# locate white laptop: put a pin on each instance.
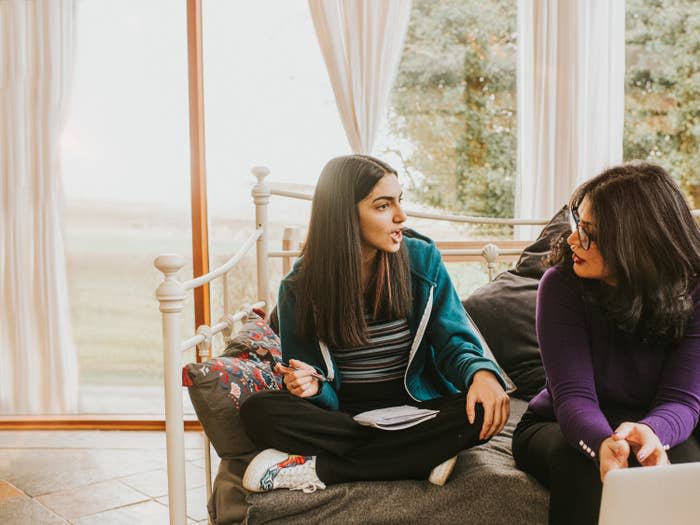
(652, 496)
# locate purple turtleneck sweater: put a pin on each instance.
(590, 365)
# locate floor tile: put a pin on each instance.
(7, 491)
(155, 483)
(215, 461)
(196, 503)
(146, 513)
(24, 511)
(192, 454)
(38, 472)
(91, 477)
(90, 499)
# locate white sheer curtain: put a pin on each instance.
(361, 42)
(571, 71)
(38, 362)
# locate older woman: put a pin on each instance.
(618, 323)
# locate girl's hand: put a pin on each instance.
(612, 455)
(487, 390)
(298, 378)
(644, 443)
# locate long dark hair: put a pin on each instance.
(650, 243)
(330, 299)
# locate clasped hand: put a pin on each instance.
(298, 377)
(631, 437)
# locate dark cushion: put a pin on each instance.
(274, 321)
(531, 264)
(504, 311)
(217, 387)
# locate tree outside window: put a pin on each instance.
(454, 101)
(662, 88)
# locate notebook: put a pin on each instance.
(395, 418)
(652, 496)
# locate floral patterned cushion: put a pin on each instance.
(255, 337)
(219, 386)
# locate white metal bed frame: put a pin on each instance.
(171, 295)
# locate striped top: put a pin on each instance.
(372, 375)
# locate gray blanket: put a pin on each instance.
(485, 488)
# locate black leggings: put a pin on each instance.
(348, 451)
(572, 478)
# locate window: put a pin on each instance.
(125, 152)
(126, 166)
(453, 106)
(662, 88)
(268, 101)
(451, 127)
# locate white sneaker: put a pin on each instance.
(440, 474)
(272, 469)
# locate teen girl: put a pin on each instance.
(369, 318)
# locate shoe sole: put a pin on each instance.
(440, 474)
(257, 468)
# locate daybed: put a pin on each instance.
(486, 487)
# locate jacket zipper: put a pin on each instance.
(418, 339)
(327, 360)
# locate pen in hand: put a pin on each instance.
(314, 374)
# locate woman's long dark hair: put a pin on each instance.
(650, 243)
(330, 300)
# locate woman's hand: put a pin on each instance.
(612, 455)
(298, 378)
(644, 443)
(487, 390)
(631, 437)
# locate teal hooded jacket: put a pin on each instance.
(446, 350)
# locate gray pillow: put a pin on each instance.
(531, 264)
(504, 311)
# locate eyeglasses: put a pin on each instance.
(584, 238)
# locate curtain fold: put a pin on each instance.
(571, 72)
(38, 360)
(361, 42)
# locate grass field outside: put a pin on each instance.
(110, 249)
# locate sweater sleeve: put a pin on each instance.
(676, 406)
(458, 351)
(293, 347)
(564, 343)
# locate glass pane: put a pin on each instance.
(126, 170)
(268, 102)
(662, 88)
(452, 122)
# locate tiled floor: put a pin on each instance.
(94, 477)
